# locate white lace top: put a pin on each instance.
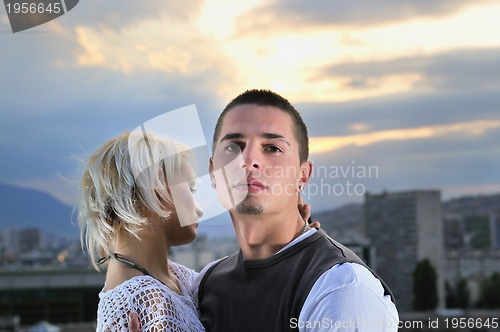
(158, 307)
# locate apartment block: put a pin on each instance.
(405, 228)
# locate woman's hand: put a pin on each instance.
(305, 212)
(133, 323)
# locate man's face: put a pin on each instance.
(264, 172)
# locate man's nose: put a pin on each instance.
(251, 158)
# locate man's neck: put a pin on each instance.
(262, 236)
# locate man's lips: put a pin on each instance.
(251, 184)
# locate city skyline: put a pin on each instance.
(51, 213)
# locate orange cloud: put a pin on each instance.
(325, 144)
(92, 54)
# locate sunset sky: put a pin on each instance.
(411, 88)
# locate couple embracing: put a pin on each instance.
(287, 275)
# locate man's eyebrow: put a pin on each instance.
(231, 136)
(274, 136)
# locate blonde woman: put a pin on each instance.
(129, 221)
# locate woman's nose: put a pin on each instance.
(198, 209)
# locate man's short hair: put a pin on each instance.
(269, 98)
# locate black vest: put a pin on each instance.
(264, 295)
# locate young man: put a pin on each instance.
(286, 276)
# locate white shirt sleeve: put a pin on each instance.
(347, 297)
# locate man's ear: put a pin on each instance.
(211, 170)
(305, 172)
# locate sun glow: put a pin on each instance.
(292, 62)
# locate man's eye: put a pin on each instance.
(232, 148)
(273, 149)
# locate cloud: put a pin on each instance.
(455, 163)
(442, 133)
(160, 42)
(456, 88)
(95, 73)
(449, 158)
(149, 47)
(456, 69)
(170, 59)
(154, 48)
(302, 14)
(117, 15)
(411, 111)
(38, 148)
(296, 58)
(324, 144)
(401, 111)
(91, 55)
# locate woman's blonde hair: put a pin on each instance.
(125, 175)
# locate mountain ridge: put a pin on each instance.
(52, 216)
(22, 208)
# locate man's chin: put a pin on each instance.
(249, 209)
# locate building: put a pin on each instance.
(472, 249)
(405, 228)
(495, 230)
(9, 246)
(29, 240)
(454, 231)
(473, 265)
(55, 295)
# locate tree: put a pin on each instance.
(425, 295)
(451, 296)
(458, 296)
(490, 288)
(463, 294)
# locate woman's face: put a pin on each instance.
(184, 218)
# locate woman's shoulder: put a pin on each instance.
(138, 292)
(183, 273)
(129, 287)
(117, 302)
(153, 302)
